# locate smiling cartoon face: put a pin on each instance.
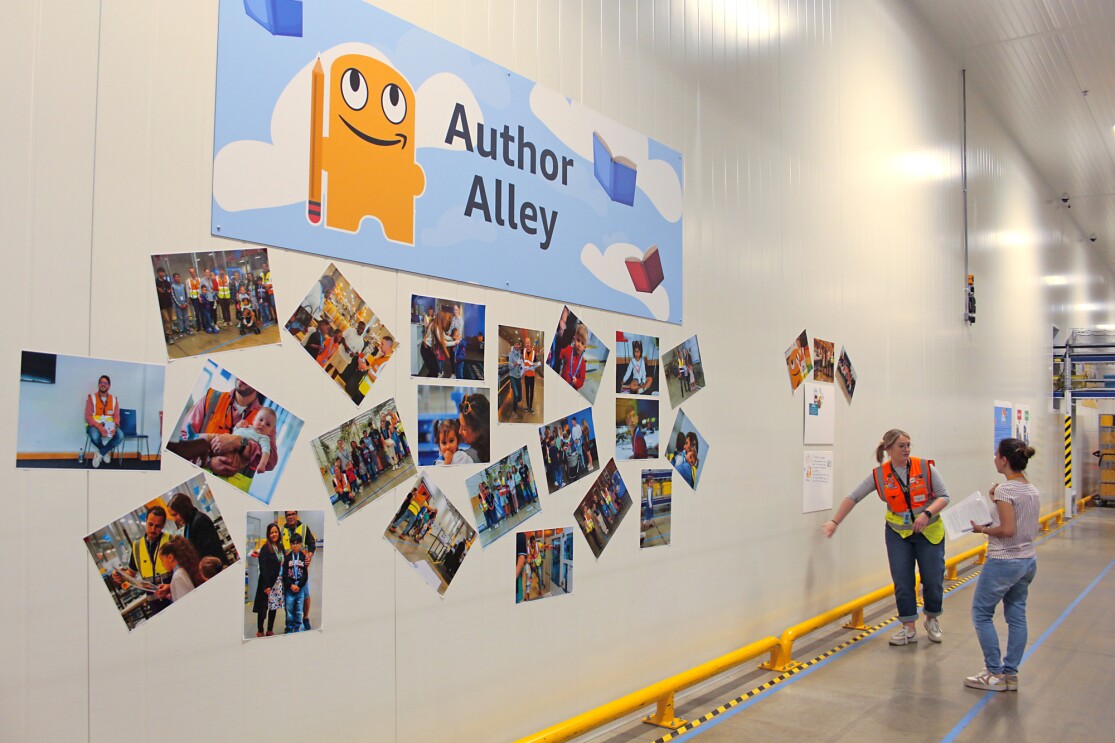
(369, 152)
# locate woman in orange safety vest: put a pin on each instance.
(915, 495)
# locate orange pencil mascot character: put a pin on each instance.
(368, 151)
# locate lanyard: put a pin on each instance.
(580, 362)
(904, 486)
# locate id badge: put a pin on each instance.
(906, 518)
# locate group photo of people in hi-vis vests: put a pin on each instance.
(77, 412)
(215, 301)
(236, 432)
(152, 557)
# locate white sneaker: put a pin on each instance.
(904, 636)
(97, 459)
(987, 680)
(933, 629)
(108, 457)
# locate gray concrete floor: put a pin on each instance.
(874, 692)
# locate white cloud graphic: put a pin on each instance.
(454, 228)
(574, 124)
(610, 269)
(250, 174)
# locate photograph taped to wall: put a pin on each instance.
(636, 364)
(577, 355)
(798, 361)
(446, 339)
(363, 458)
(153, 556)
(685, 373)
(233, 431)
(342, 334)
(454, 425)
(569, 449)
(820, 414)
(431, 534)
(846, 374)
(824, 357)
(601, 511)
(521, 385)
(503, 496)
(687, 450)
(217, 300)
(657, 495)
(571, 205)
(80, 412)
(283, 572)
(636, 429)
(543, 564)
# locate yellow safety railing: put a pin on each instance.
(780, 649)
(1083, 503)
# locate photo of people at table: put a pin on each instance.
(636, 364)
(520, 390)
(446, 338)
(687, 450)
(430, 533)
(636, 429)
(284, 569)
(657, 495)
(152, 557)
(454, 425)
(234, 431)
(217, 300)
(578, 356)
(823, 357)
(543, 564)
(569, 449)
(77, 412)
(363, 458)
(601, 511)
(342, 334)
(503, 496)
(685, 374)
(846, 373)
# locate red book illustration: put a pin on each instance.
(646, 272)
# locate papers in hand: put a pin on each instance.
(977, 507)
(136, 582)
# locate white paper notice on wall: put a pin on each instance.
(820, 413)
(816, 481)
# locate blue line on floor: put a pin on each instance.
(878, 633)
(967, 719)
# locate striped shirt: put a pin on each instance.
(1023, 498)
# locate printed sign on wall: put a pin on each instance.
(356, 135)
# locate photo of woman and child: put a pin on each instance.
(520, 375)
(342, 334)
(454, 425)
(685, 374)
(601, 511)
(431, 534)
(569, 449)
(152, 557)
(284, 571)
(447, 338)
(636, 364)
(636, 429)
(543, 564)
(578, 356)
(363, 458)
(503, 496)
(686, 450)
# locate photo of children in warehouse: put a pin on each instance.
(284, 571)
(569, 449)
(543, 564)
(430, 533)
(503, 496)
(577, 355)
(636, 364)
(636, 429)
(446, 338)
(685, 374)
(601, 511)
(657, 495)
(686, 449)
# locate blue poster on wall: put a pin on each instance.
(353, 134)
(1004, 414)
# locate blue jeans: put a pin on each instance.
(104, 445)
(930, 559)
(294, 602)
(517, 390)
(1007, 581)
(182, 315)
(408, 518)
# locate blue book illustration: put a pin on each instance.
(615, 173)
(280, 17)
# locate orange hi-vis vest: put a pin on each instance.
(193, 288)
(920, 487)
(528, 360)
(218, 416)
(103, 410)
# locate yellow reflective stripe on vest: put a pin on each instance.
(934, 532)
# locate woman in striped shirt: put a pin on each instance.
(1010, 567)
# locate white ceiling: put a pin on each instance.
(1047, 69)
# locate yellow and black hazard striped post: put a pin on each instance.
(1068, 452)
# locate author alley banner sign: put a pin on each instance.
(346, 132)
